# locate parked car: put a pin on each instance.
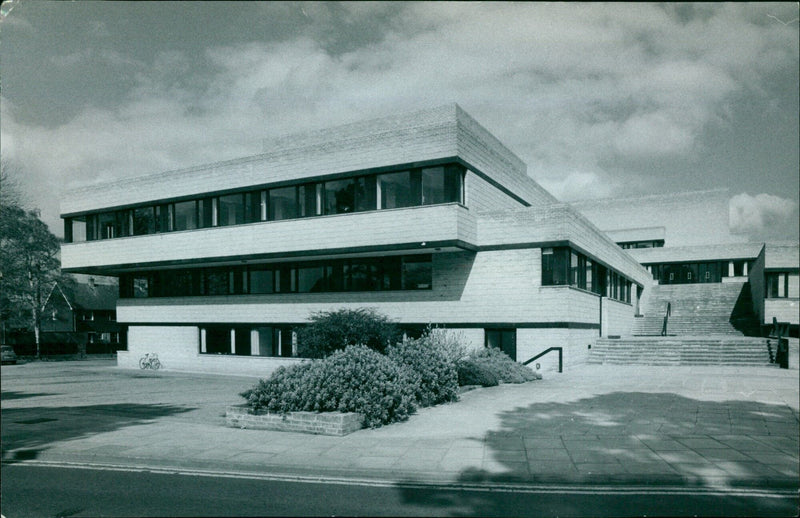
(7, 354)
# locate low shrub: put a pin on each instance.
(506, 369)
(474, 372)
(329, 331)
(356, 379)
(428, 357)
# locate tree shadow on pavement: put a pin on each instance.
(9, 395)
(26, 432)
(636, 438)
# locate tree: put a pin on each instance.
(29, 262)
(329, 331)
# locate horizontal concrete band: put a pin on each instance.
(445, 325)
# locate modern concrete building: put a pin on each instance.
(425, 217)
(685, 239)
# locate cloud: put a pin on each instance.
(762, 215)
(569, 88)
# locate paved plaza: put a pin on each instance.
(702, 427)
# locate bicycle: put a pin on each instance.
(150, 361)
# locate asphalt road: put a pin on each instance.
(29, 490)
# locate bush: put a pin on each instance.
(428, 356)
(330, 331)
(474, 372)
(506, 369)
(356, 379)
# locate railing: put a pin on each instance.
(779, 332)
(560, 357)
(666, 319)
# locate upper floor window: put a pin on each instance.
(414, 187)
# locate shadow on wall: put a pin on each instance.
(630, 438)
(28, 431)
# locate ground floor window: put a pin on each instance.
(276, 341)
(782, 285)
(504, 339)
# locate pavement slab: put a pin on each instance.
(710, 426)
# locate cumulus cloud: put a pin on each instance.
(567, 87)
(762, 215)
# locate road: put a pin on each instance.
(32, 490)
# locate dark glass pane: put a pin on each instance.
(283, 203)
(366, 193)
(285, 336)
(285, 281)
(396, 190)
(336, 280)
(186, 215)
(391, 268)
(141, 286)
(122, 222)
(242, 341)
(237, 281)
(453, 184)
(588, 277)
(267, 341)
(307, 194)
(230, 210)
(311, 279)
(91, 227)
(164, 218)
(216, 282)
(340, 196)
(106, 225)
(262, 281)
(218, 340)
(417, 272)
(364, 276)
(560, 266)
(205, 212)
(433, 185)
(574, 269)
(252, 202)
(144, 221)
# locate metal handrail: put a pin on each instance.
(560, 357)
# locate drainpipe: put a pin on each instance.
(600, 330)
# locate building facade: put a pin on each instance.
(425, 217)
(684, 238)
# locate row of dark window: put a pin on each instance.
(412, 272)
(781, 285)
(697, 272)
(656, 243)
(281, 340)
(562, 266)
(409, 188)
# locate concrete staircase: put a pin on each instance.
(707, 326)
(709, 350)
(698, 309)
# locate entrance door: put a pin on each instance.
(504, 339)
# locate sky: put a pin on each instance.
(599, 100)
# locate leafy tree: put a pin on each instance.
(29, 263)
(329, 331)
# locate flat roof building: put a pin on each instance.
(424, 216)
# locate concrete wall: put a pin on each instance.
(482, 195)
(178, 348)
(368, 229)
(757, 288)
(785, 310)
(690, 218)
(436, 134)
(502, 286)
